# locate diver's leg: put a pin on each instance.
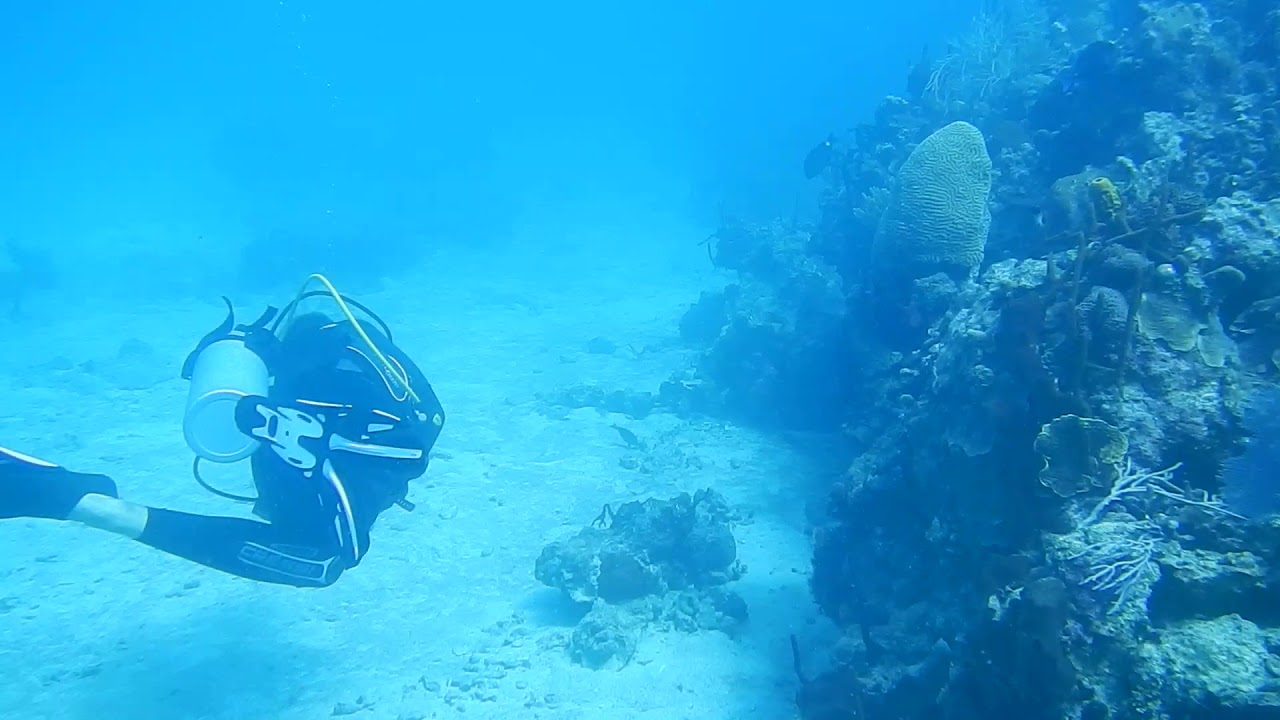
(111, 514)
(33, 488)
(247, 548)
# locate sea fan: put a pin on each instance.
(1249, 484)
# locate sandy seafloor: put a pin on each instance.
(444, 617)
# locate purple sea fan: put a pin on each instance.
(1249, 480)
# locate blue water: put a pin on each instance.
(503, 183)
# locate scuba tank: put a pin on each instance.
(227, 364)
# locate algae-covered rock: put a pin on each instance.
(1221, 663)
(607, 634)
(1245, 234)
(656, 563)
(645, 548)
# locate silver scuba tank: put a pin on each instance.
(221, 372)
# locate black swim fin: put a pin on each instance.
(30, 487)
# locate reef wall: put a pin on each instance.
(1042, 302)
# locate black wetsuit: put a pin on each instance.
(318, 518)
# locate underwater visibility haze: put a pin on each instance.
(835, 361)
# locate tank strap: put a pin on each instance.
(257, 337)
(261, 340)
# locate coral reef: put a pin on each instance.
(1060, 407)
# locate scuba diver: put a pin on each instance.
(333, 417)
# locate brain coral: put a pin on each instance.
(937, 217)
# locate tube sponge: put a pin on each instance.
(937, 217)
